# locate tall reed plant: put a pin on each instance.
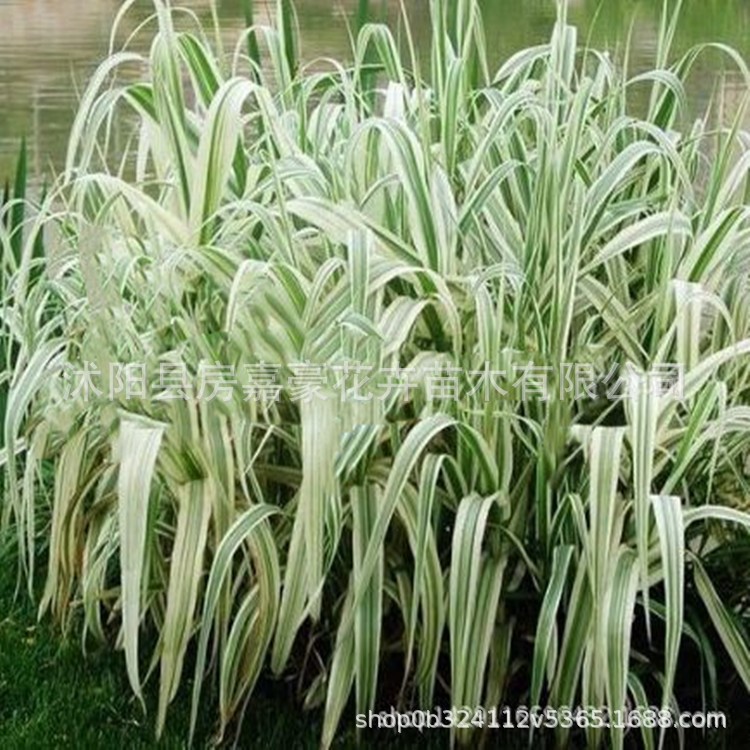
(516, 543)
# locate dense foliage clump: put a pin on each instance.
(400, 361)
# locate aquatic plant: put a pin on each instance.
(504, 239)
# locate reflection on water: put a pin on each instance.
(49, 47)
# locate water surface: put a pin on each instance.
(48, 48)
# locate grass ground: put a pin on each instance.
(54, 696)
(51, 696)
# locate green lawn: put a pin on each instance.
(54, 696)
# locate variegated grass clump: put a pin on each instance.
(396, 211)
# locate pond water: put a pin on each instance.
(49, 47)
